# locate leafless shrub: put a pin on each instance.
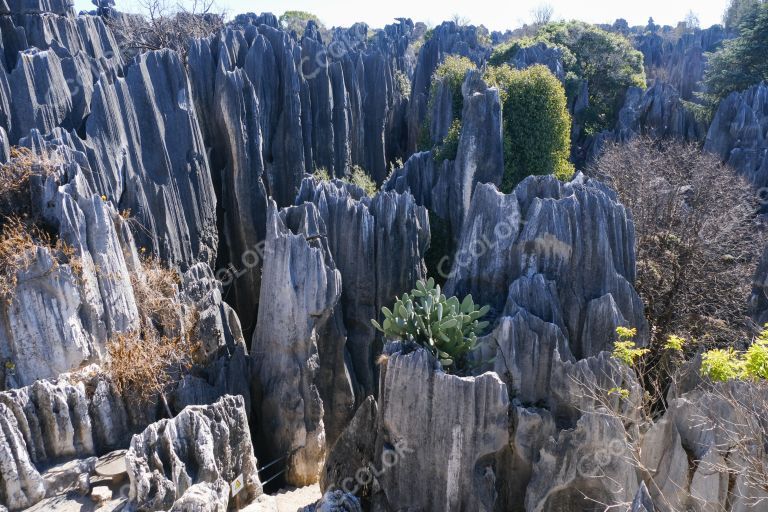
(542, 14)
(698, 238)
(741, 434)
(165, 25)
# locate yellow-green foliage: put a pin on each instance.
(360, 178)
(452, 72)
(625, 349)
(727, 364)
(322, 174)
(675, 343)
(623, 393)
(537, 126)
(721, 365)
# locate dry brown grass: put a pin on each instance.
(15, 180)
(144, 364)
(19, 242)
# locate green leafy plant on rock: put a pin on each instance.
(446, 327)
(625, 349)
(721, 365)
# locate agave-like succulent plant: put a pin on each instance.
(446, 327)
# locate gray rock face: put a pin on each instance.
(738, 133)
(658, 112)
(21, 485)
(542, 54)
(447, 38)
(429, 424)
(201, 451)
(335, 501)
(273, 108)
(576, 236)
(683, 61)
(354, 449)
(378, 247)
(591, 462)
(300, 290)
(447, 189)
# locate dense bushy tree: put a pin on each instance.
(537, 126)
(296, 21)
(607, 62)
(741, 62)
(737, 11)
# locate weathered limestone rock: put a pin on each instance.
(21, 485)
(585, 467)
(576, 235)
(199, 451)
(642, 501)
(447, 38)
(447, 188)
(543, 54)
(378, 247)
(300, 290)
(354, 450)
(204, 497)
(335, 501)
(738, 133)
(443, 428)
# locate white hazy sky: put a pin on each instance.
(493, 14)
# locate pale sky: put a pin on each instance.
(494, 14)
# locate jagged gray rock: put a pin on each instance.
(205, 445)
(575, 235)
(738, 133)
(335, 501)
(447, 38)
(300, 290)
(591, 465)
(543, 54)
(21, 485)
(429, 425)
(354, 450)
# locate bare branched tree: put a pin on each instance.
(542, 14)
(165, 25)
(460, 20)
(698, 238)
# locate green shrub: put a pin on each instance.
(727, 364)
(403, 83)
(625, 349)
(321, 173)
(452, 71)
(607, 61)
(537, 126)
(360, 178)
(506, 51)
(741, 62)
(450, 146)
(721, 365)
(445, 327)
